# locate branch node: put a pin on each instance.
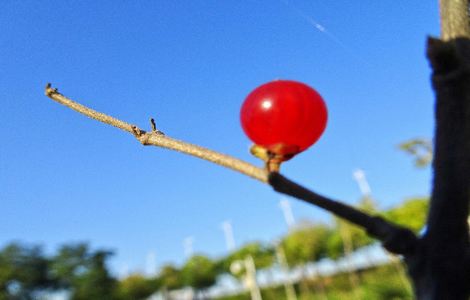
(154, 127)
(394, 238)
(152, 123)
(137, 131)
(50, 90)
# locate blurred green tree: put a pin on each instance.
(263, 256)
(23, 272)
(306, 243)
(411, 213)
(84, 273)
(136, 287)
(346, 237)
(170, 278)
(199, 272)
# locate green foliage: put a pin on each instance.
(84, 272)
(199, 272)
(348, 237)
(385, 290)
(381, 283)
(346, 233)
(95, 282)
(68, 262)
(170, 277)
(23, 271)
(420, 149)
(306, 244)
(136, 287)
(412, 213)
(263, 256)
(334, 246)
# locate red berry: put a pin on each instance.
(285, 117)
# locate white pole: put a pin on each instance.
(360, 177)
(228, 232)
(288, 285)
(150, 263)
(188, 246)
(286, 208)
(251, 278)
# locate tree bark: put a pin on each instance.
(440, 267)
(454, 19)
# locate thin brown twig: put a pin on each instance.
(157, 138)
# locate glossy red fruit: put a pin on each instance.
(285, 117)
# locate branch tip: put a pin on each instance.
(154, 127)
(137, 131)
(152, 123)
(50, 91)
(158, 138)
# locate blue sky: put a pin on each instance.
(189, 64)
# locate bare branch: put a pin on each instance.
(157, 138)
(395, 238)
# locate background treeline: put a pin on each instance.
(79, 272)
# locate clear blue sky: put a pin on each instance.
(65, 178)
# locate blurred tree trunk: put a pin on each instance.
(440, 264)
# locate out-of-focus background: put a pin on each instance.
(88, 213)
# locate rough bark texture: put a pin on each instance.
(454, 19)
(440, 268)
